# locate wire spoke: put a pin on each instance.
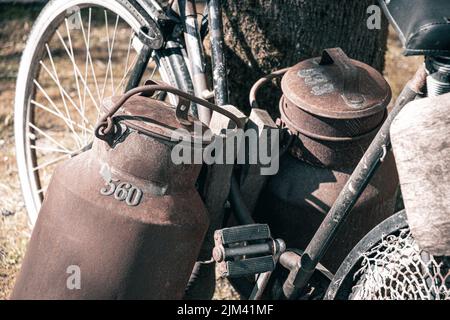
(51, 162)
(77, 70)
(87, 44)
(109, 51)
(122, 81)
(86, 67)
(109, 66)
(60, 116)
(58, 82)
(74, 71)
(154, 70)
(62, 92)
(48, 136)
(48, 149)
(65, 93)
(110, 54)
(51, 103)
(127, 60)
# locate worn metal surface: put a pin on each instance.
(105, 124)
(326, 150)
(335, 86)
(133, 222)
(217, 52)
(330, 140)
(352, 191)
(334, 105)
(194, 47)
(318, 284)
(297, 199)
(158, 119)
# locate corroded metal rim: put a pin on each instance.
(339, 284)
(296, 130)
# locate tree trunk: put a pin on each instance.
(265, 35)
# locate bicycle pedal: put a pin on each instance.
(248, 232)
(246, 250)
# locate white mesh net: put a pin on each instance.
(396, 269)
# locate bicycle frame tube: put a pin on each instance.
(351, 192)
(194, 48)
(217, 53)
(154, 10)
(152, 7)
(138, 70)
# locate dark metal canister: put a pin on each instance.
(333, 106)
(122, 215)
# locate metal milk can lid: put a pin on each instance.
(335, 86)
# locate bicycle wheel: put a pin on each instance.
(387, 264)
(78, 53)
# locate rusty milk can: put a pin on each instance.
(333, 106)
(122, 214)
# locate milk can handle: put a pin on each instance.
(350, 74)
(258, 84)
(105, 123)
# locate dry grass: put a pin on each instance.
(15, 24)
(398, 68)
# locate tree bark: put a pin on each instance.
(265, 35)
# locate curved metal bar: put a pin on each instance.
(261, 82)
(104, 126)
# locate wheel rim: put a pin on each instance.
(85, 54)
